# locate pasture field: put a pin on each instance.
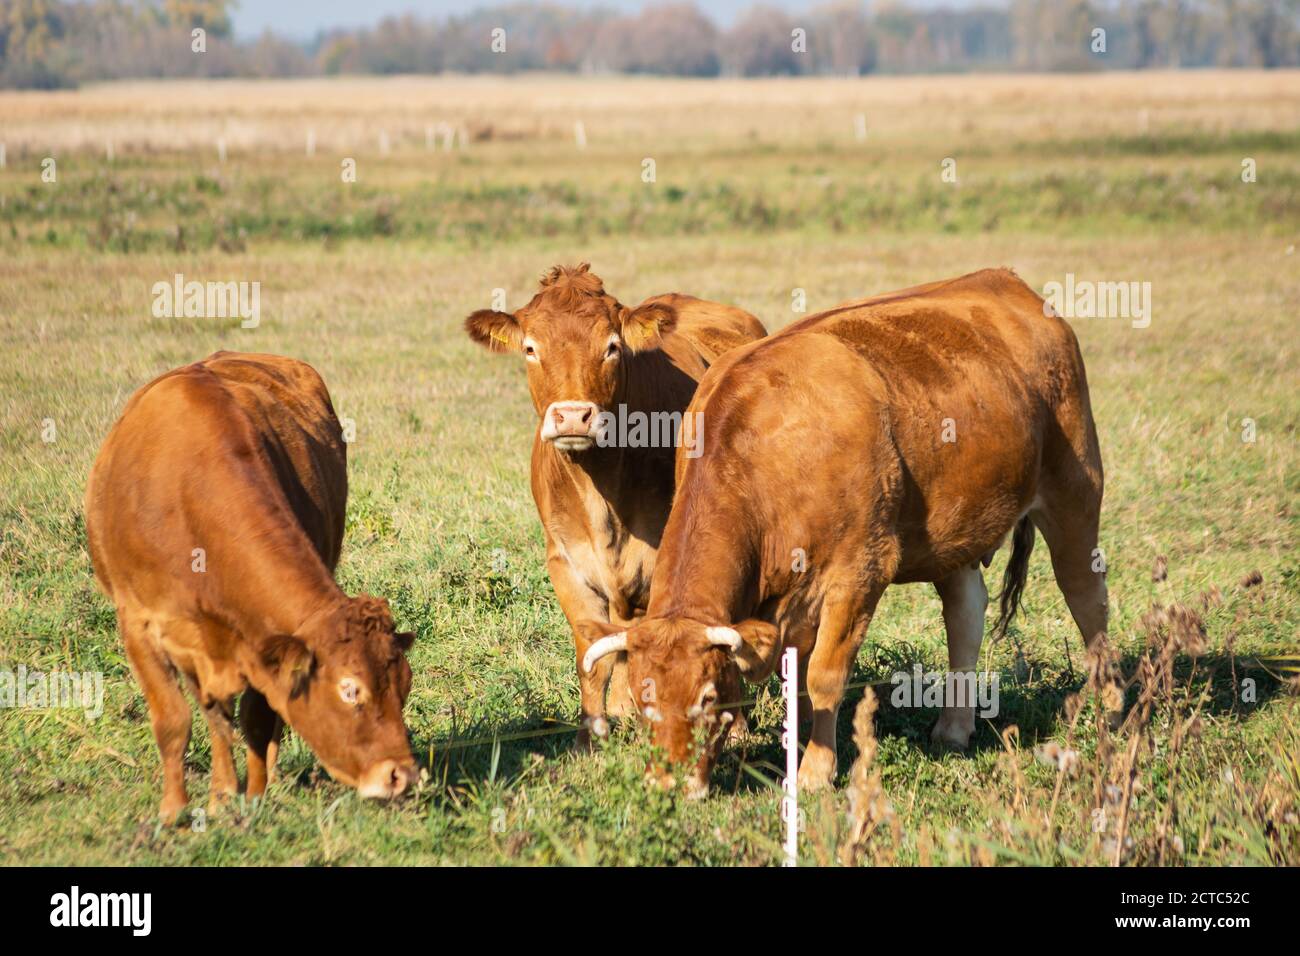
(761, 188)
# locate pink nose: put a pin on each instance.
(573, 419)
(388, 779)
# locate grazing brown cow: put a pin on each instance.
(214, 514)
(594, 365)
(897, 439)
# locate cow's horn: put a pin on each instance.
(724, 637)
(610, 644)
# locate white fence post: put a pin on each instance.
(790, 740)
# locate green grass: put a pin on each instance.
(439, 485)
(505, 193)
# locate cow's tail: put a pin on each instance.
(1013, 579)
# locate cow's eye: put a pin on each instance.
(611, 351)
(530, 351)
(705, 702)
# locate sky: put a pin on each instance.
(303, 19)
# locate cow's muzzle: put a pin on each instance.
(388, 779)
(570, 426)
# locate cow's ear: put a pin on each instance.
(591, 629)
(498, 331)
(404, 640)
(597, 639)
(760, 649)
(644, 326)
(290, 660)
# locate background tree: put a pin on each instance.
(840, 39)
(760, 44)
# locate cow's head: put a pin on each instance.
(574, 339)
(686, 678)
(341, 682)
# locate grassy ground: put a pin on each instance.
(761, 188)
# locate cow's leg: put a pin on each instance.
(618, 696)
(591, 689)
(803, 638)
(1070, 531)
(580, 605)
(845, 616)
(1071, 536)
(965, 599)
(262, 728)
(1067, 510)
(219, 714)
(169, 711)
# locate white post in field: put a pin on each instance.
(790, 740)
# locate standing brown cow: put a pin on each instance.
(898, 439)
(214, 515)
(603, 503)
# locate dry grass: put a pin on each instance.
(966, 112)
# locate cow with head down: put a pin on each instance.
(893, 440)
(214, 517)
(603, 494)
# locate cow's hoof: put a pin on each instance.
(952, 733)
(816, 772)
(219, 803)
(697, 788)
(169, 812)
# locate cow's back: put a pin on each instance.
(953, 344)
(290, 410)
(913, 334)
(665, 379)
(237, 446)
(711, 328)
(974, 384)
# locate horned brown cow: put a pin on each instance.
(214, 515)
(897, 439)
(591, 361)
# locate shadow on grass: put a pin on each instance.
(1036, 707)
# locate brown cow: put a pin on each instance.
(214, 515)
(897, 439)
(592, 362)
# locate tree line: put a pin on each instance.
(61, 43)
